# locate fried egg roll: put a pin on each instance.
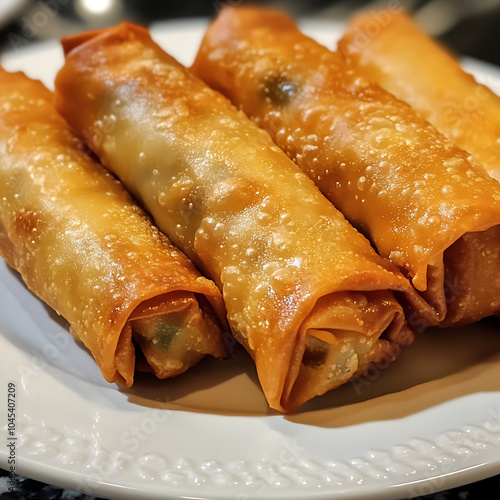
(83, 246)
(305, 293)
(414, 194)
(404, 60)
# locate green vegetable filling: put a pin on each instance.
(165, 334)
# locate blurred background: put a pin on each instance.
(467, 27)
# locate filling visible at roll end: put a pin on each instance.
(345, 334)
(174, 335)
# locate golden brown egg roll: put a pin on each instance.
(404, 60)
(305, 293)
(393, 175)
(84, 247)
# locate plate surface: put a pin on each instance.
(430, 422)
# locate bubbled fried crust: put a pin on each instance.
(256, 224)
(410, 190)
(75, 235)
(405, 61)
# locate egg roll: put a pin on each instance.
(405, 61)
(410, 190)
(83, 246)
(305, 293)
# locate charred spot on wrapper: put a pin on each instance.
(280, 90)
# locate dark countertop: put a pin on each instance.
(471, 28)
(29, 489)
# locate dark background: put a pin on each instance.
(467, 27)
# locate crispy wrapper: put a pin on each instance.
(392, 174)
(305, 293)
(404, 60)
(83, 246)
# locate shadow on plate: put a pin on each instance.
(441, 365)
(223, 387)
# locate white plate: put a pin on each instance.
(430, 422)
